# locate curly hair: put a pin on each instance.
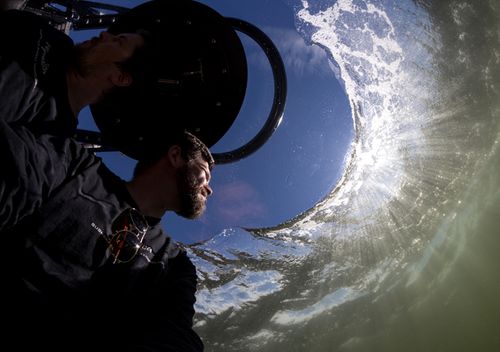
(191, 148)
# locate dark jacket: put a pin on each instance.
(61, 289)
(34, 57)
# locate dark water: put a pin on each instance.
(403, 254)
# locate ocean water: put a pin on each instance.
(404, 253)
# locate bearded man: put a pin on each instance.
(88, 266)
(46, 80)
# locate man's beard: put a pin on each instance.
(81, 63)
(191, 204)
(79, 60)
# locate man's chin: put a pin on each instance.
(192, 213)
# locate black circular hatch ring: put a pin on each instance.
(280, 90)
(93, 140)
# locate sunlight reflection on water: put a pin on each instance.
(366, 267)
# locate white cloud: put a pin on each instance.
(237, 203)
(299, 57)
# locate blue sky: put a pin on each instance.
(300, 163)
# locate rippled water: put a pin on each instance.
(402, 254)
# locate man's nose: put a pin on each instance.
(209, 190)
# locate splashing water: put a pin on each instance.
(400, 255)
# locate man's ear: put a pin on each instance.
(122, 79)
(175, 157)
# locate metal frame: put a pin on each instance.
(81, 15)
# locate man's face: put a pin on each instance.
(193, 184)
(103, 52)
